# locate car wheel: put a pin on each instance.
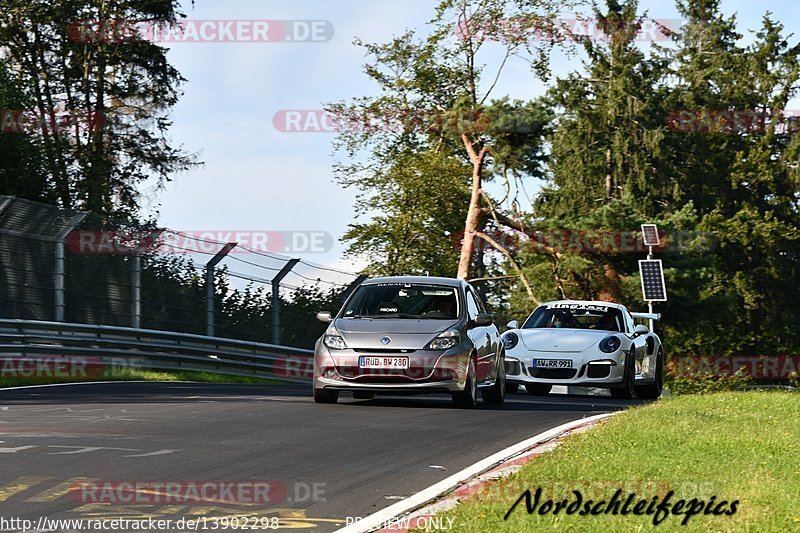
(326, 396)
(626, 390)
(511, 388)
(653, 390)
(538, 389)
(468, 398)
(497, 394)
(363, 395)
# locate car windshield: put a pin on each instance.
(576, 316)
(403, 300)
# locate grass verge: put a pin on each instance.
(131, 374)
(727, 446)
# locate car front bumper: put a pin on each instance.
(584, 372)
(429, 371)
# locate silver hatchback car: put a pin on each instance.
(411, 335)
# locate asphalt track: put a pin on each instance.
(335, 461)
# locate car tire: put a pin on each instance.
(326, 396)
(496, 395)
(511, 388)
(363, 395)
(653, 390)
(538, 389)
(627, 389)
(468, 398)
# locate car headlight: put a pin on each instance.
(610, 344)
(510, 340)
(333, 340)
(445, 341)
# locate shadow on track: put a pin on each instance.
(150, 392)
(516, 402)
(174, 392)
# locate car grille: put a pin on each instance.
(598, 371)
(513, 368)
(552, 373)
(413, 374)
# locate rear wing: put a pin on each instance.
(647, 316)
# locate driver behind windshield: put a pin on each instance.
(607, 320)
(442, 307)
(403, 301)
(562, 319)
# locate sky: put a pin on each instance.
(257, 178)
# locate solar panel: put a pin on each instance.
(653, 287)
(650, 235)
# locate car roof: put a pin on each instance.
(450, 282)
(586, 302)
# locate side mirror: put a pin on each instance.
(513, 325)
(640, 330)
(324, 316)
(483, 319)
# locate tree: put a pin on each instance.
(492, 150)
(21, 166)
(632, 148)
(432, 93)
(608, 170)
(416, 208)
(409, 182)
(115, 93)
(742, 174)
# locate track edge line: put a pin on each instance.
(378, 519)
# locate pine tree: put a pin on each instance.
(117, 92)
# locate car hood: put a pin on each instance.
(560, 339)
(405, 333)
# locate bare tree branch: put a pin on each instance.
(513, 262)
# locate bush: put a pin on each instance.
(703, 383)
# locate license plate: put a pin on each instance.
(383, 362)
(552, 363)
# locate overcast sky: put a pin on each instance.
(257, 178)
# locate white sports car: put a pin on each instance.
(586, 344)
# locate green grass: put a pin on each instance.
(733, 445)
(130, 374)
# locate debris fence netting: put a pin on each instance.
(103, 259)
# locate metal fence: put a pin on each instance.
(253, 295)
(108, 351)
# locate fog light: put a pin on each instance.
(329, 373)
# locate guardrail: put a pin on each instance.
(123, 347)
